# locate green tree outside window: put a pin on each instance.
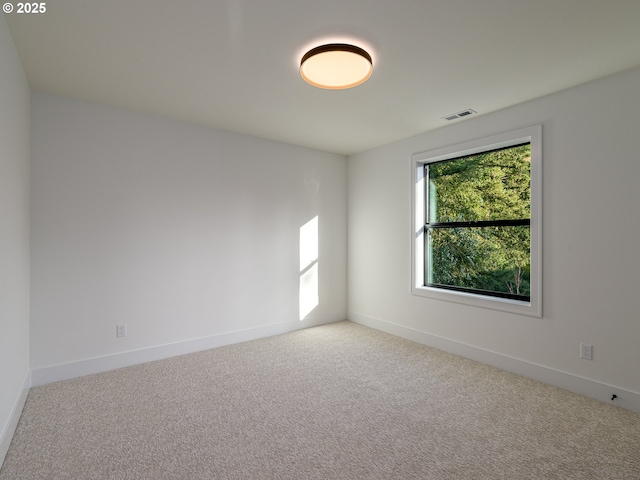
(478, 217)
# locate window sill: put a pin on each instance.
(493, 303)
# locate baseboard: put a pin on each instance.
(55, 373)
(10, 427)
(600, 391)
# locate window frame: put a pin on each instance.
(532, 307)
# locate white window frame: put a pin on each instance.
(532, 135)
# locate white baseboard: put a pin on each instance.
(600, 391)
(65, 371)
(10, 427)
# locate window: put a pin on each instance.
(476, 222)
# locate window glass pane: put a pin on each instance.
(494, 259)
(487, 186)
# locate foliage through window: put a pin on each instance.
(477, 232)
(478, 216)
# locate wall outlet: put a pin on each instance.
(121, 330)
(586, 351)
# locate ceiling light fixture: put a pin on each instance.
(336, 66)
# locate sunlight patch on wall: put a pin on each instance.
(308, 295)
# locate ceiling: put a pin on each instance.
(233, 64)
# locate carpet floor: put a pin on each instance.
(340, 401)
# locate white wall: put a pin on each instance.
(187, 234)
(14, 237)
(591, 232)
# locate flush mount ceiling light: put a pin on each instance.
(336, 66)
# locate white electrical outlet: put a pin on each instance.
(586, 351)
(121, 330)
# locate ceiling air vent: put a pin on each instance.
(461, 114)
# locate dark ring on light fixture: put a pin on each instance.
(336, 47)
(336, 66)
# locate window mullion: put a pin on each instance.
(482, 223)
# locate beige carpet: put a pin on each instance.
(339, 401)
